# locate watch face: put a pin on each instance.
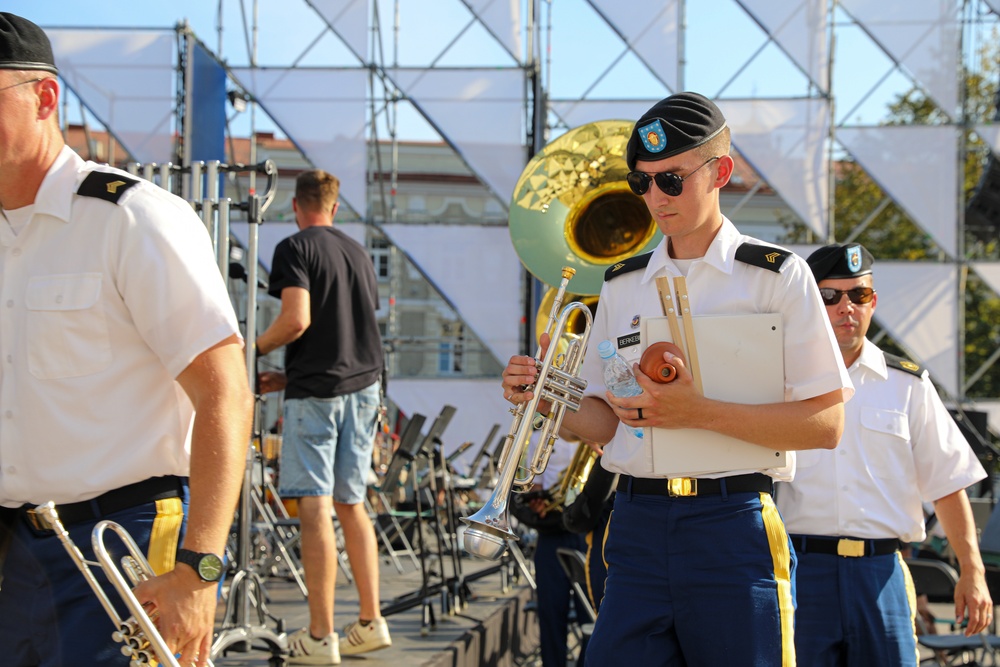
(210, 567)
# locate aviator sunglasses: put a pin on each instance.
(857, 295)
(670, 183)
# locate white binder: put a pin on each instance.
(741, 360)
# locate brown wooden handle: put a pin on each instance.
(653, 365)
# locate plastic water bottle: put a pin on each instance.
(618, 377)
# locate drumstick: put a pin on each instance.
(692, 351)
(669, 309)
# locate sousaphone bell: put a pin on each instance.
(572, 215)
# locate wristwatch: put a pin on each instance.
(208, 566)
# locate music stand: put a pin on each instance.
(409, 447)
(461, 449)
(482, 451)
(457, 592)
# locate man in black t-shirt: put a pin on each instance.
(333, 362)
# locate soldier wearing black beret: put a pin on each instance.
(124, 388)
(848, 511)
(669, 582)
(24, 46)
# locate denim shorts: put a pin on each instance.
(327, 446)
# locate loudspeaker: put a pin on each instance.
(982, 213)
(973, 425)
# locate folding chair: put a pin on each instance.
(575, 565)
(989, 538)
(937, 581)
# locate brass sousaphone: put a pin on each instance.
(572, 207)
(572, 216)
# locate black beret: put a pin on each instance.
(24, 46)
(673, 125)
(841, 261)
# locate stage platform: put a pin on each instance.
(493, 630)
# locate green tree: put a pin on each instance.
(864, 213)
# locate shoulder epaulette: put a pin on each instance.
(626, 265)
(905, 365)
(764, 256)
(105, 185)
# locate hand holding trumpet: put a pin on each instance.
(670, 398)
(185, 608)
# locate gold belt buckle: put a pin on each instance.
(850, 548)
(682, 486)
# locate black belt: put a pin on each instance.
(116, 500)
(852, 547)
(695, 486)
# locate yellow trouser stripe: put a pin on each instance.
(781, 558)
(604, 541)
(911, 599)
(590, 550)
(165, 535)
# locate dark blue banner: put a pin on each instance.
(208, 108)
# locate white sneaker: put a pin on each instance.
(304, 650)
(363, 638)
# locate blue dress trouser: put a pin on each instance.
(855, 611)
(49, 616)
(697, 581)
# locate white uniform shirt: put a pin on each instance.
(718, 284)
(900, 447)
(102, 305)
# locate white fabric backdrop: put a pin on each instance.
(349, 20)
(785, 142)
(479, 112)
(503, 19)
(990, 272)
(918, 304)
(651, 34)
(126, 79)
(477, 270)
(800, 29)
(323, 112)
(898, 158)
(990, 134)
(925, 42)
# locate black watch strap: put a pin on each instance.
(208, 566)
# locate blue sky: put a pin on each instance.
(727, 54)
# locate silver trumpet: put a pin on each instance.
(141, 641)
(488, 529)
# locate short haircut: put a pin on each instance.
(316, 190)
(716, 146)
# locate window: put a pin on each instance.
(380, 252)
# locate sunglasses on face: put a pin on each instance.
(668, 182)
(857, 295)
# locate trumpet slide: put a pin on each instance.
(140, 639)
(559, 383)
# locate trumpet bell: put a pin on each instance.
(488, 530)
(572, 207)
(484, 541)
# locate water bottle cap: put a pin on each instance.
(605, 349)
